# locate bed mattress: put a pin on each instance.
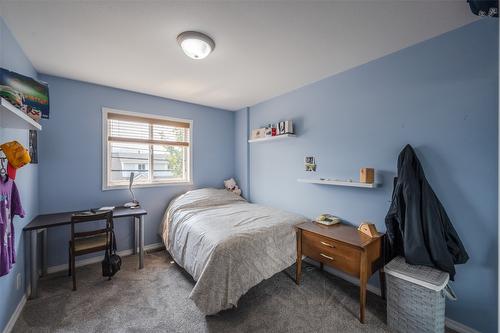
(227, 244)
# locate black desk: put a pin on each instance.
(41, 223)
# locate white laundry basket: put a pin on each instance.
(416, 297)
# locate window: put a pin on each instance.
(156, 149)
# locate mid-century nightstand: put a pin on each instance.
(342, 247)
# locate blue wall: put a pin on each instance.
(13, 58)
(441, 96)
(70, 155)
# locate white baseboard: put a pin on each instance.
(12, 321)
(452, 324)
(96, 259)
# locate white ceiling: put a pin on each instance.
(263, 49)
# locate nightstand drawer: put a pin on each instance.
(349, 265)
(328, 245)
(331, 253)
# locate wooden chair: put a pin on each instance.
(89, 241)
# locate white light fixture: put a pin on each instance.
(195, 44)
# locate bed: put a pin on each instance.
(227, 244)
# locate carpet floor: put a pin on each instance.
(156, 299)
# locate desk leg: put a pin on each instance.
(363, 278)
(141, 242)
(298, 265)
(136, 234)
(44, 252)
(33, 263)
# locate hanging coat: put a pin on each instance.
(418, 227)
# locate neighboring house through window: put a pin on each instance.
(156, 149)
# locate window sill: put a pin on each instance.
(136, 186)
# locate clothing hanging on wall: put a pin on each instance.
(10, 205)
(418, 227)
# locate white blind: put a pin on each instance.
(124, 128)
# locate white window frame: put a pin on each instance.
(105, 157)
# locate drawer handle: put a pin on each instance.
(325, 256)
(327, 244)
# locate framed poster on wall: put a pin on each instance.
(27, 94)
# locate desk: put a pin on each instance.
(41, 223)
(344, 248)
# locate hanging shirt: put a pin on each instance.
(10, 205)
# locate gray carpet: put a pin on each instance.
(156, 300)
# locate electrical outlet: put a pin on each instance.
(19, 280)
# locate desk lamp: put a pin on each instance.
(134, 203)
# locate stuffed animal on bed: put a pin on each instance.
(231, 185)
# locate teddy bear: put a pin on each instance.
(231, 185)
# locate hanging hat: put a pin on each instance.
(16, 154)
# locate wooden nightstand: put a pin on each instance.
(342, 247)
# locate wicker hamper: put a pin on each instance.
(415, 297)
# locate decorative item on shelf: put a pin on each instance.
(310, 163)
(269, 130)
(134, 203)
(327, 219)
(285, 127)
(369, 229)
(367, 175)
(258, 133)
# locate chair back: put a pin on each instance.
(86, 217)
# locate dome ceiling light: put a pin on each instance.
(195, 44)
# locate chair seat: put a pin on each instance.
(91, 242)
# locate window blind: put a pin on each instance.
(132, 129)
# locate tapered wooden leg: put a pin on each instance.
(321, 266)
(298, 268)
(363, 277)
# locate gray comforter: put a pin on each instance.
(227, 244)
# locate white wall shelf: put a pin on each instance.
(273, 138)
(12, 117)
(337, 182)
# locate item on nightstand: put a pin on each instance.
(368, 229)
(258, 133)
(416, 297)
(231, 186)
(367, 175)
(327, 219)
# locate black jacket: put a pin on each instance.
(418, 227)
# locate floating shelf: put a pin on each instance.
(12, 117)
(273, 138)
(338, 183)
